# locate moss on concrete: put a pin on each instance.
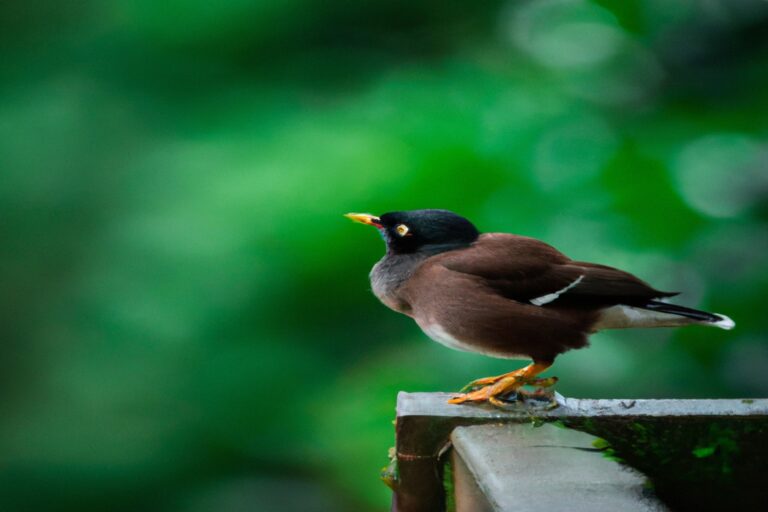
(691, 462)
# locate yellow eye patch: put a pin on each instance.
(402, 229)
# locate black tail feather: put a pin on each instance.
(674, 309)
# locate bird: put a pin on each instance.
(508, 296)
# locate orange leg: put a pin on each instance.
(485, 381)
(494, 387)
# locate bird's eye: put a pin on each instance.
(402, 229)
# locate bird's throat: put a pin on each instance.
(389, 274)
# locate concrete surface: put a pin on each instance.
(508, 468)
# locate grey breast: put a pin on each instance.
(388, 276)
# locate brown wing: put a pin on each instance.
(528, 270)
(460, 310)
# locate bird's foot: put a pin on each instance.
(492, 392)
(487, 381)
(505, 389)
(493, 389)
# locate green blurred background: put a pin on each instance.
(186, 318)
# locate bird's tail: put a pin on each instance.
(695, 315)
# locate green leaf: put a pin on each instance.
(704, 451)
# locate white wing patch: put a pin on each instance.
(546, 299)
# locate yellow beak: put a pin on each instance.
(364, 218)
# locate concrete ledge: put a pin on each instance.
(693, 450)
(436, 405)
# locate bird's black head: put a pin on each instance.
(421, 230)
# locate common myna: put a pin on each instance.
(508, 296)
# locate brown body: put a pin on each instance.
(478, 298)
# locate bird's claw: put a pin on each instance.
(480, 383)
(501, 395)
(489, 381)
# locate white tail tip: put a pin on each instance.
(725, 323)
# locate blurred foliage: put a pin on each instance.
(186, 318)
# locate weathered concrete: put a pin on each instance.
(521, 468)
(436, 405)
(696, 452)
